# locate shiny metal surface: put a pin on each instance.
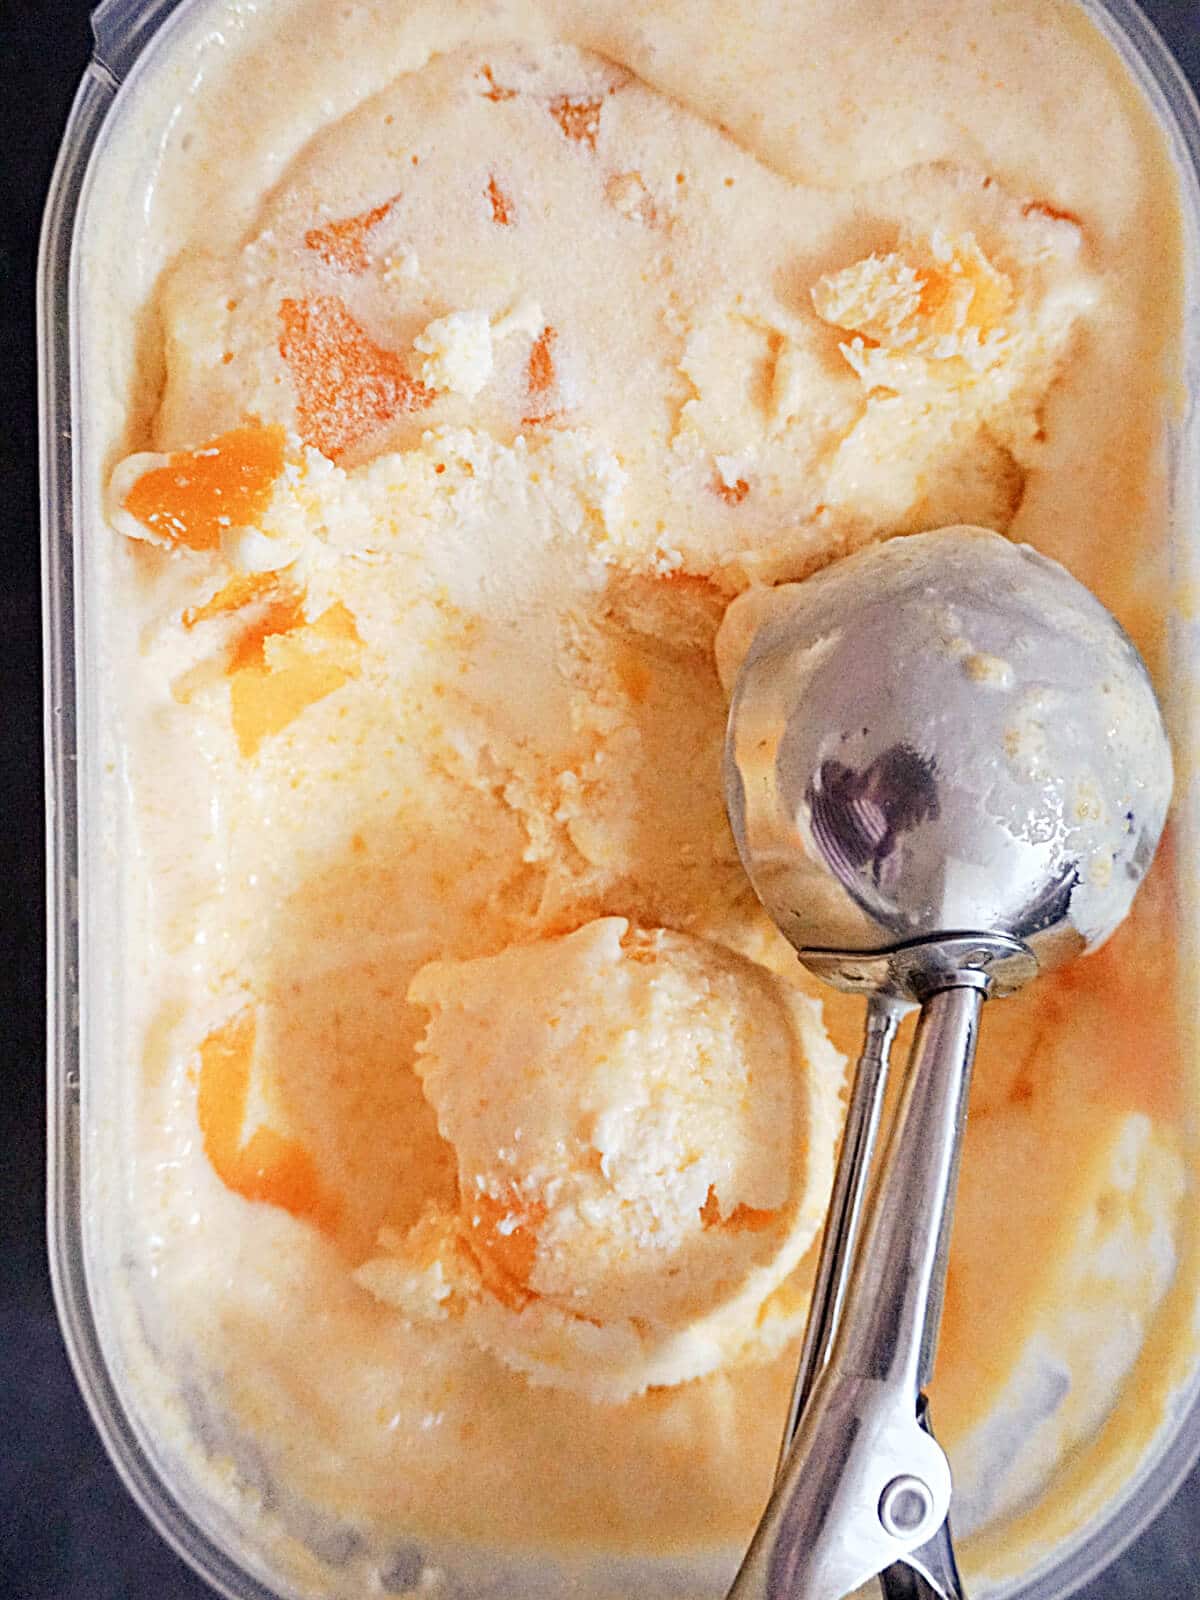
(930, 1573)
(946, 771)
(945, 734)
(840, 1237)
(911, 972)
(823, 1534)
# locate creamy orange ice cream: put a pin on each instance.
(642, 1125)
(475, 370)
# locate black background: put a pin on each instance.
(67, 1529)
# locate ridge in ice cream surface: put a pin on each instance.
(465, 1024)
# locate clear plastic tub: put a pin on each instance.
(130, 36)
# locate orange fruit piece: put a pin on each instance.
(267, 1166)
(283, 612)
(494, 91)
(990, 292)
(225, 483)
(540, 378)
(749, 1219)
(742, 1219)
(286, 665)
(243, 589)
(502, 206)
(504, 1256)
(732, 493)
(347, 386)
(1043, 208)
(578, 116)
(541, 361)
(344, 244)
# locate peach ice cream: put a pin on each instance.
(461, 380)
(642, 1125)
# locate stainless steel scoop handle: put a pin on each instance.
(846, 1203)
(865, 1484)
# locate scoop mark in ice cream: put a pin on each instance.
(347, 386)
(344, 244)
(198, 494)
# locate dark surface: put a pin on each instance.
(67, 1529)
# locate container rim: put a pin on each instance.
(58, 382)
(123, 31)
(1174, 99)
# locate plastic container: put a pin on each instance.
(129, 34)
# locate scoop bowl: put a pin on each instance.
(945, 734)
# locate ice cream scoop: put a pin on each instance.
(946, 771)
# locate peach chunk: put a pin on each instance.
(742, 1219)
(502, 206)
(540, 377)
(929, 292)
(344, 244)
(267, 1166)
(578, 116)
(968, 276)
(225, 483)
(243, 589)
(1043, 208)
(347, 386)
(732, 493)
(495, 91)
(286, 665)
(500, 1236)
(283, 611)
(541, 361)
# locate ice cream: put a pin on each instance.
(468, 363)
(764, 414)
(642, 1125)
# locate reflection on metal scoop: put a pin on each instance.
(946, 771)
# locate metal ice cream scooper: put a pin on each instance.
(946, 772)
